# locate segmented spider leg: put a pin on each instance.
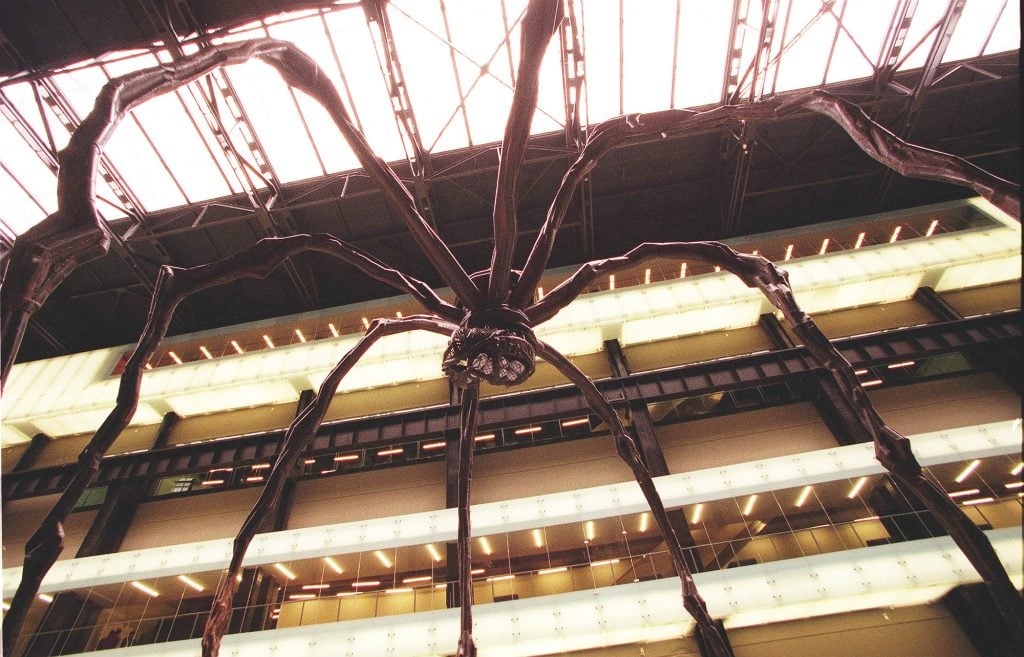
(540, 23)
(75, 234)
(882, 145)
(710, 631)
(470, 403)
(174, 285)
(296, 438)
(891, 448)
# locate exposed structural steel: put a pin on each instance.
(491, 328)
(379, 432)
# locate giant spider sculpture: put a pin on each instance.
(491, 327)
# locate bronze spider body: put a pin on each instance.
(491, 326)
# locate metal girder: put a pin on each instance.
(782, 365)
(765, 38)
(895, 39)
(734, 49)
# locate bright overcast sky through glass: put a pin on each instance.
(458, 58)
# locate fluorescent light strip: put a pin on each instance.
(430, 446)
(895, 234)
(315, 587)
(174, 357)
(931, 228)
(417, 580)
(206, 352)
(484, 438)
(346, 594)
(284, 570)
(966, 472)
(1016, 471)
(645, 520)
(366, 323)
(789, 252)
(270, 343)
(647, 276)
(538, 538)
(485, 545)
(804, 494)
(965, 493)
(697, 511)
(750, 505)
(682, 270)
(253, 479)
(606, 562)
(575, 423)
(191, 582)
(212, 482)
(259, 466)
(477, 571)
(298, 334)
(588, 530)
(611, 281)
(347, 457)
(434, 554)
(334, 330)
(1016, 484)
(860, 241)
(238, 348)
(526, 430)
(382, 558)
(540, 293)
(146, 589)
(855, 491)
(301, 596)
(390, 452)
(45, 597)
(501, 578)
(906, 363)
(824, 246)
(365, 584)
(872, 382)
(333, 565)
(551, 571)
(980, 500)
(404, 589)
(398, 314)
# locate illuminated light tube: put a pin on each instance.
(824, 247)
(754, 252)
(697, 511)
(390, 452)
(404, 589)
(417, 580)
(315, 587)
(212, 482)
(551, 571)
(906, 363)
(866, 518)
(789, 252)
(434, 554)
(483, 438)
(238, 348)
(174, 357)
(538, 538)
(334, 329)
(477, 571)
(857, 487)
(860, 241)
(206, 352)
(895, 234)
(327, 472)
(398, 314)
(872, 382)
(682, 270)
(1018, 469)
(366, 583)
(588, 530)
(965, 493)
(309, 461)
(966, 472)
(333, 565)
(284, 570)
(346, 594)
(980, 500)
(931, 228)
(270, 343)
(437, 445)
(611, 281)
(804, 494)
(860, 372)
(347, 457)
(382, 558)
(149, 366)
(253, 479)
(485, 545)
(146, 589)
(6, 606)
(298, 334)
(1016, 484)
(301, 596)
(259, 466)
(501, 578)
(188, 581)
(540, 293)
(750, 505)
(647, 276)
(645, 520)
(575, 423)
(605, 562)
(366, 323)
(45, 597)
(717, 268)
(526, 430)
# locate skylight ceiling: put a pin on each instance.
(453, 69)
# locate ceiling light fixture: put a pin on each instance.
(824, 247)
(405, 589)
(804, 494)
(526, 430)
(434, 554)
(417, 580)
(750, 505)
(1016, 471)
(645, 520)
(860, 241)
(284, 570)
(234, 343)
(383, 558)
(333, 565)
(540, 293)
(855, 491)
(538, 538)
(611, 281)
(301, 596)
(315, 587)
(682, 270)
(551, 571)
(789, 252)
(872, 382)
(298, 334)
(146, 589)
(477, 571)
(501, 578)
(191, 582)
(485, 545)
(367, 583)
(906, 363)
(588, 530)
(980, 500)
(259, 466)
(484, 437)
(206, 352)
(270, 343)
(366, 323)
(390, 452)
(575, 423)
(1015, 484)
(334, 329)
(964, 493)
(931, 228)
(253, 479)
(45, 597)
(605, 562)
(174, 357)
(966, 472)
(895, 234)
(647, 275)
(438, 445)
(347, 457)
(212, 482)
(697, 511)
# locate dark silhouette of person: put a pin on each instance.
(112, 640)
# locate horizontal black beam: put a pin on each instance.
(535, 406)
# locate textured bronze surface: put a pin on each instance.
(491, 329)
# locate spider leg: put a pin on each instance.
(75, 234)
(540, 23)
(470, 403)
(174, 285)
(891, 448)
(876, 141)
(710, 631)
(296, 438)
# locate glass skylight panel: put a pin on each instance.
(808, 41)
(39, 196)
(429, 75)
(600, 26)
(648, 32)
(19, 211)
(915, 51)
(1006, 36)
(972, 30)
(703, 44)
(355, 48)
(860, 42)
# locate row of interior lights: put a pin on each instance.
(257, 468)
(589, 533)
(826, 242)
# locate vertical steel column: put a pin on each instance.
(163, 434)
(31, 455)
